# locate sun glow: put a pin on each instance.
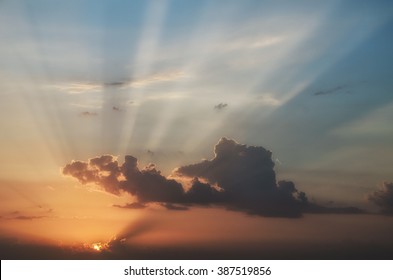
(97, 246)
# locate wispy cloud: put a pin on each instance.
(138, 82)
(134, 205)
(330, 90)
(156, 78)
(77, 88)
(88, 114)
(253, 42)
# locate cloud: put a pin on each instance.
(80, 87)
(88, 114)
(103, 171)
(134, 205)
(116, 84)
(248, 180)
(114, 108)
(239, 177)
(166, 76)
(170, 206)
(329, 91)
(26, 218)
(220, 106)
(383, 198)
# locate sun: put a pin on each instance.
(96, 246)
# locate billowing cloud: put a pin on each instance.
(383, 198)
(247, 177)
(239, 177)
(103, 171)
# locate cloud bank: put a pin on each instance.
(239, 177)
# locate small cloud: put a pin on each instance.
(220, 106)
(116, 84)
(383, 198)
(134, 205)
(170, 206)
(115, 108)
(28, 218)
(88, 114)
(330, 91)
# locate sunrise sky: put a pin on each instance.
(240, 94)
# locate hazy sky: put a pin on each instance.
(164, 81)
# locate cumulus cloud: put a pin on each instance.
(103, 171)
(239, 177)
(383, 198)
(246, 175)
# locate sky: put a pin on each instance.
(164, 123)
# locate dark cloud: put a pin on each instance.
(170, 206)
(134, 205)
(318, 209)
(88, 114)
(203, 193)
(148, 185)
(330, 91)
(220, 106)
(383, 198)
(116, 84)
(247, 178)
(103, 171)
(28, 218)
(239, 177)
